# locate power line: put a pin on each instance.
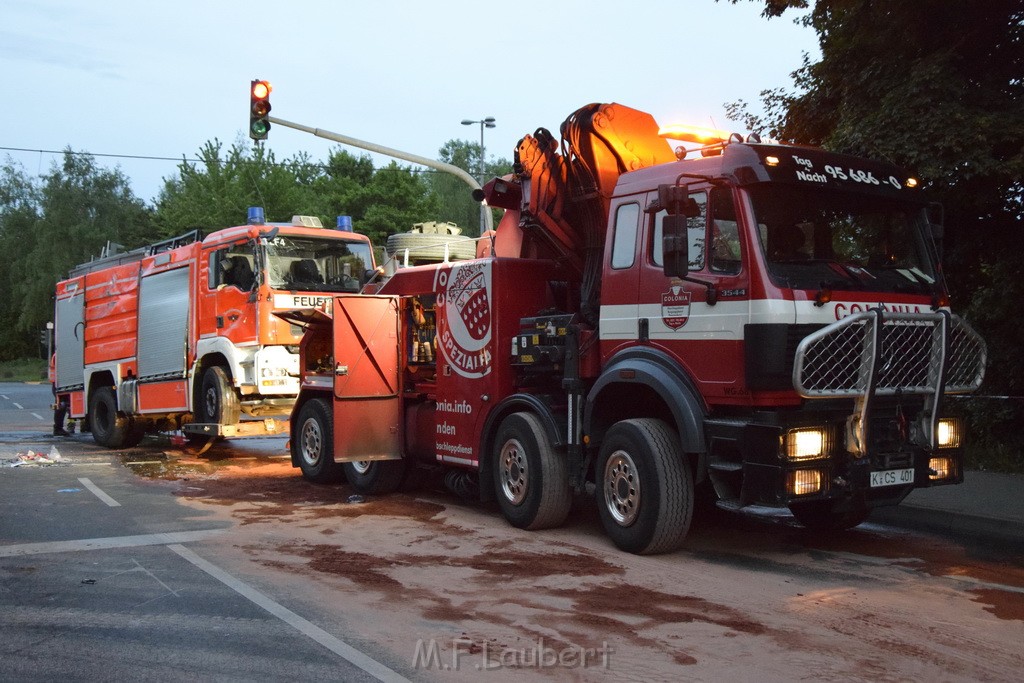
(144, 157)
(96, 154)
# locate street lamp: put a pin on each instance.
(484, 123)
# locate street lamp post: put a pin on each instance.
(484, 123)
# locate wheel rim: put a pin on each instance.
(514, 471)
(361, 466)
(621, 488)
(312, 442)
(211, 403)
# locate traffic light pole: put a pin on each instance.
(387, 151)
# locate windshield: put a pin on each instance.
(819, 238)
(317, 265)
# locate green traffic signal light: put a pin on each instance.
(259, 109)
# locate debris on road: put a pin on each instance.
(32, 459)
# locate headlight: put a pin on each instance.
(949, 432)
(804, 482)
(807, 443)
(941, 468)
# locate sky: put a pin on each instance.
(137, 78)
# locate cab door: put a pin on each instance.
(367, 401)
(228, 282)
(699, 319)
(620, 303)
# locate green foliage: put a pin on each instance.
(217, 192)
(455, 196)
(19, 214)
(23, 370)
(935, 86)
(47, 227)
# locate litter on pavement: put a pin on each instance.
(33, 459)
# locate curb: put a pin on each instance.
(1003, 531)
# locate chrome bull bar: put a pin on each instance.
(881, 353)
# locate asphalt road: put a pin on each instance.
(25, 407)
(99, 579)
(154, 564)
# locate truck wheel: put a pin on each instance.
(375, 476)
(313, 444)
(134, 435)
(819, 516)
(644, 487)
(530, 478)
(109, 429)
(218, 401)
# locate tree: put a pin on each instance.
(395, 200)
(49, 229)
(381, 201)
(217, 192)
(453, 195)
(935, 86)
(19, 215)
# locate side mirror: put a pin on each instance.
(676, 200)
(675, 245)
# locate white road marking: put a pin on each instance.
(17, 405)
(979, 583)
(106, 543)
(98, 492)
(37, 416)
(335, 645)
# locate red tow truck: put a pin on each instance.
(763, 320)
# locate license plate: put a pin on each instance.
(892, 477)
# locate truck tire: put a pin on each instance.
(531, 479)
(218, 403)
(313, 443)
(135, 434)
(819, 515)
(110, 429)
(644, 487)
(375, 477)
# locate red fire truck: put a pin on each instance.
(181, 333)
(765, 321)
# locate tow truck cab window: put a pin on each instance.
(696, 231)
(627, 219)
(816, 237)
(725, 233)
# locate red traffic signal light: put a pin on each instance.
(259, 109)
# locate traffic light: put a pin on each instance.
(259, 109)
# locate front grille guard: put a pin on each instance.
(880, 353)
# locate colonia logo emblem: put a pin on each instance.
(675, 307)
(464, 300)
